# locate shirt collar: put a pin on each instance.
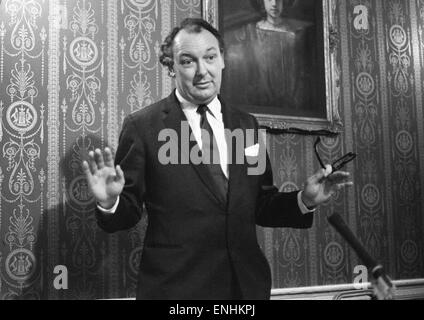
(214, 106)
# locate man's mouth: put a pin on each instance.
(203, 84)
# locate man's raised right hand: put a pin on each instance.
(105, 181)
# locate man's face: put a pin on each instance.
(274, 8)
(198, 65)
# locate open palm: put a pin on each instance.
(105, 181)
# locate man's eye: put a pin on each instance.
(211, 58)
(186, 62)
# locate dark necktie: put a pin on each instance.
(210, 153)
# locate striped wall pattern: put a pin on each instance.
(70, 71)
(381, 63)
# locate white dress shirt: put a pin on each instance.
(217, 124)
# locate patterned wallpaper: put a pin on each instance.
(381, 62)
(71, 70)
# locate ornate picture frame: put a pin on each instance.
(278, 115)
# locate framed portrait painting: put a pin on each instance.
(280, 61)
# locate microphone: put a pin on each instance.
(384, 288)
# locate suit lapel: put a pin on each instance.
(173, 118)
(232, 122)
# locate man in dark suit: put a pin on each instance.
(201, 237)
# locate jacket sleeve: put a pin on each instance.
(131, 157)
(276, 209)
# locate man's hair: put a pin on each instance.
(191, 25)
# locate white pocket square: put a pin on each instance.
(252, 151)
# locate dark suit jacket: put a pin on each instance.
(196, 244)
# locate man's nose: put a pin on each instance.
(201, 68)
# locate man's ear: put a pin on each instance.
(171, 73)
(223, 60)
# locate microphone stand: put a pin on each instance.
(383, 287)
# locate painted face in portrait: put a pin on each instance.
(274, 8)
(198, 65)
